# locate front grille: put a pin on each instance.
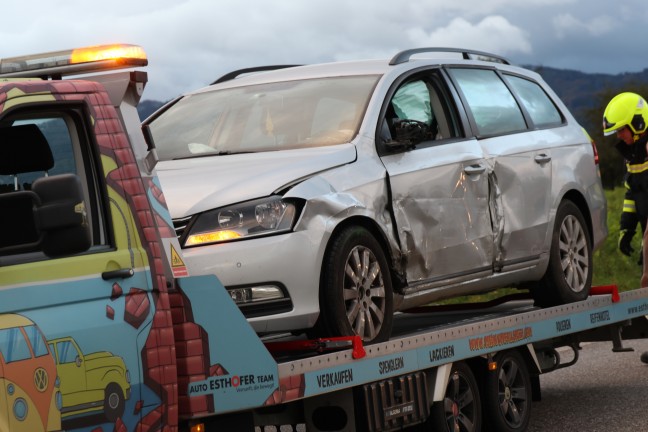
(180, 225)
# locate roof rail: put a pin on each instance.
(236, 73)
(404, 56)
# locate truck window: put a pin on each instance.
(67, 352)
(43, 144)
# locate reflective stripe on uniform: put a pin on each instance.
(629, 206)
(637, 168)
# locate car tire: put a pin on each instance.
(356, 295)
(460, 409)
(569, 275)
(506, 395)
(113, 402)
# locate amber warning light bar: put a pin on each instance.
(57, 64)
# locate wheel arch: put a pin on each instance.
(375, 230)
(579, 200)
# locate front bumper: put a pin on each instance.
(291, 261)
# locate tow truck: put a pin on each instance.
(88, 254)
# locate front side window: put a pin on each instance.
(264, 117)
(418, 112)
(67, 352)
(493, 107)
(40, 147)
(13, 345)
(44, 144)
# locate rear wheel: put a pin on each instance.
(506, 394)
(356, 292)
(569, 275)
(460, 410)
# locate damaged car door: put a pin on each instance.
(439, 183)
(517, 136)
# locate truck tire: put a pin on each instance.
(113, 402)
(569, 275)
(460, 410)
(356, 295)
(506, 395)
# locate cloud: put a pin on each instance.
(493, 33)
(190, 43)
(567, 25)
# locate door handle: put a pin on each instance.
(542, 159)
(117, 274)
(474, 169)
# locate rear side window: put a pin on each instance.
(493, 108)
(541, 109)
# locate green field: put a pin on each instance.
(610, 265)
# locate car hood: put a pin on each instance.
(194, 185)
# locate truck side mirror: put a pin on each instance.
(61, 216)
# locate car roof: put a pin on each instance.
(402, 61)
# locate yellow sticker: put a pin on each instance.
(176, 261)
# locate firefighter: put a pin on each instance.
(627, 116)
(629, 221)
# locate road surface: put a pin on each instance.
(603, 392)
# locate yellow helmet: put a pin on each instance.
(625, 109)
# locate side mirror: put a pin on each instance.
(407, 133)
(411, 132)
(61, 215)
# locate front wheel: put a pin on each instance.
(113, 402)
(355, 291)
(569, 275)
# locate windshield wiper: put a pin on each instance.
(220, 153)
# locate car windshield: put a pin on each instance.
(264, 117)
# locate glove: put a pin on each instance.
(625, 237)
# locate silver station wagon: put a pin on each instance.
(328, 197)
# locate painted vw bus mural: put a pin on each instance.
(30, 397)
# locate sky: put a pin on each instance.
(190, 43)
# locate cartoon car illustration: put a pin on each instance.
(30, 398)
(92, 382)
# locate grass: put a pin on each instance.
(611, 267)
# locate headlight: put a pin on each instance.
(20, 409)
(255, 218)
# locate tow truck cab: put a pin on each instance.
(88, 253)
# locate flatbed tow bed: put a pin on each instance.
(392, 385)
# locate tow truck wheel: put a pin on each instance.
(460, 410)
(506, 394)
(113, 402)
(569, 275)
(355, 291)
